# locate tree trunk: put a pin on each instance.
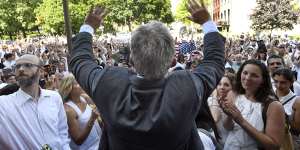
(10, 35)
(38, 29)
(129, 25)
(24, 33)
(271, 36)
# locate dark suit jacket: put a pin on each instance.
(149, 115)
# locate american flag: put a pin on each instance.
(186, 47)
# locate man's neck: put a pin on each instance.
(33, 91)
(282, 93)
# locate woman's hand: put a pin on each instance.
(231, 110)
(226, 102)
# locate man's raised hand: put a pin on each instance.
(199, 13)
(96, 16)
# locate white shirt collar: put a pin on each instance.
(26, 97)
(286, 97)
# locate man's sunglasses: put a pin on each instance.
(26, 65)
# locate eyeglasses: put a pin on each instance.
(26, 65)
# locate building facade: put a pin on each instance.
(216, 10)
(233, 15)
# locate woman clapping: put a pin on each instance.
(250, 127)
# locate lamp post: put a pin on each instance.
(68, 29)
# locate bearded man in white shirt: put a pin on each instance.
(32, 118)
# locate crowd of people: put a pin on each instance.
(239, 93)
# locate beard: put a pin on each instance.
(24, 81)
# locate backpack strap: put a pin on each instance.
(264, 117)
(288, 100)
(264, 113)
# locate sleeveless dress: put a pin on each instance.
(93, 140)
(212, 102)
(238, 138)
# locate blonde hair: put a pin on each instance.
(65, 86)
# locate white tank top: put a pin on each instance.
(288, 102)
(93, 140)
(238, 138)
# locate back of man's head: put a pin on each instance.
(152, 48)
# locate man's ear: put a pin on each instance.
(41, 70)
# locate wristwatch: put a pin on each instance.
(46, 147)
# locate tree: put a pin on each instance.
(50, 14)
(16, 16)
(296, 8)
(273, 14)
(122, 12)
(129, 12)
(182, 13)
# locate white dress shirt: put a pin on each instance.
(26, 124)
(9, 64)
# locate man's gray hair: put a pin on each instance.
(152, 49)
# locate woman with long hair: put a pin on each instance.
(84, 129)
(256, 118)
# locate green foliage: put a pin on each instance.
(129, 12)
(296, 5)
(21, 16)
(273, 14)
(17, 16)
(182, 13)
(51, 18)
(296, 8)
